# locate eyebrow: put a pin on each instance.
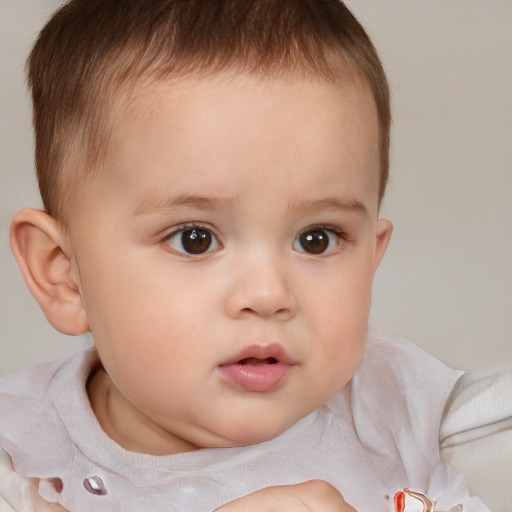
(329, 203)
(156, 204)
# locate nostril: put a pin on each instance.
(262, 311)
(265, 306)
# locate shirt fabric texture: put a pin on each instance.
(376, 436)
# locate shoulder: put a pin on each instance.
(30, 384)
(39, 384)
(23, 395)
(398, 394)
(398, 360)
(28, 411)
(404, 368)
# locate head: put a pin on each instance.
(76, 80)
(212, 174)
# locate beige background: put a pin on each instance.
(446, 281)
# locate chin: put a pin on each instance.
(254, 430)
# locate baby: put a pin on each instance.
(212, 173)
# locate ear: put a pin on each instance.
(39, 247)
(384, 230)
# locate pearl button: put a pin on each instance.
(94, 484)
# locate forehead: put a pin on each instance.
(228, 131)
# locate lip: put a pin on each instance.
(258, 368)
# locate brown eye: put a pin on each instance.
(314, 242)
(196, 241)
(317, 241)
(193, 241)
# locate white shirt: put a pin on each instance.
(376, 436)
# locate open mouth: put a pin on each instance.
(257, 369)
(254, 361)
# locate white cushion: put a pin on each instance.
(476, 435)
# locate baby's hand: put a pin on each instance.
(18, 494)
(312, 496)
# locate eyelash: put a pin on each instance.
(189, 227)
(338, 233)
(325, 227)
(185, 227)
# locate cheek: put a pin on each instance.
(339, 315)
(152, 354)
(341, 299)
(138, 317)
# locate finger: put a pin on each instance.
(270, 499)
(321, 496)
(19, 494)
(5, 507)
(311, 496)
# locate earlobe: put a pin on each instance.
(384, 230)
(38, 245)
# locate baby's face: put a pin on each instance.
(225, 255)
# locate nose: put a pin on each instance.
(262, 288)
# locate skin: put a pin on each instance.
(315, 495)
(254, 163)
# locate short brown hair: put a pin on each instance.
(91, 49)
